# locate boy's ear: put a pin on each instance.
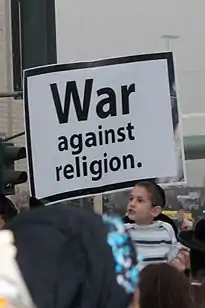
(156, 210)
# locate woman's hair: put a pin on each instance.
(162, 286)
(157, 194)
(197, 259)
(198, 293)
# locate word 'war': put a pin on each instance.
(105, 98)
(96, 168)
(100, 137)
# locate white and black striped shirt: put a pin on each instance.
(155, 243)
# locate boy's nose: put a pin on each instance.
(132, 205)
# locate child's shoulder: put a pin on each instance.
(168, 228)
(156, 225)
(165, 225)
(130, 226)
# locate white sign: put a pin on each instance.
(100, 126)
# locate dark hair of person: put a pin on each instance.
(7, 208)
(163, 286)
(198, 294)
(157, 194)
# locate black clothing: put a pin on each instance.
(65, 260)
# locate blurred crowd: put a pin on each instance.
(73, 258)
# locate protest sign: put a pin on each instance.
(99, 126)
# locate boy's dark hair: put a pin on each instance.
(157, 194)
(7, 208)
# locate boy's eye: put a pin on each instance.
(140, 200)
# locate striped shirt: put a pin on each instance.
(155, 243)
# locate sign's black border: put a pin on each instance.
(76, 66)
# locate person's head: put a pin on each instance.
(146, 202)
(163, 286)
(7, 210)
(89, 260)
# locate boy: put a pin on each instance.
(155, 240)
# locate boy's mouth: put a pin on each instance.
(131, 212)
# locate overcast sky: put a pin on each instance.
(97, 29)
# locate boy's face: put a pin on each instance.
(140, 207)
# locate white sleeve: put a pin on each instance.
(174, 249)
(175, 245)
